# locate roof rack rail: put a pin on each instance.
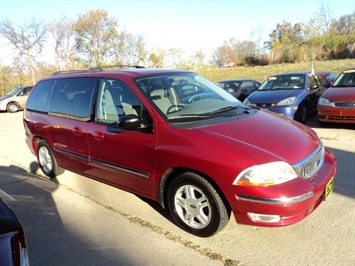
(98, 68)
(70, 71)
(116, 66)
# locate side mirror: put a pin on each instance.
(313, 87)
(129, 122)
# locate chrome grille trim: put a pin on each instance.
(281, 200)
(310, 165)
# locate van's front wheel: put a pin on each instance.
(47, 161)
(12, 107)
(196, 206)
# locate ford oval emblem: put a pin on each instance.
(317, 163)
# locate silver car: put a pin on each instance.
(15, 100)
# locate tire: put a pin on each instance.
(47, 161)
(12, 107)
(196, 206)
(302, 114)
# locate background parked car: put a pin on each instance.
(224, 65)
(293, 95)
(15, 100)
(13, 249)
(327, 77)
(337, 104)
(239, 88)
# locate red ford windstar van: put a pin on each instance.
(177, 138)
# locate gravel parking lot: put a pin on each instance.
(73, 220)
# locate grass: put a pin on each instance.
(259, 73)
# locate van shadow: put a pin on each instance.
(344, 182)
(49, 241)
(164, 212)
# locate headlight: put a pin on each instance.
(266, 175)
(287, 101)
(247, 103)
(324, 101)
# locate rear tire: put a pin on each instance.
(47, 161)
(196, 206)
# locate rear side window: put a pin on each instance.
(39, 98)
(72, 98)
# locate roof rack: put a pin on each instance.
(98, 68)
(116, 66)
(70, 71)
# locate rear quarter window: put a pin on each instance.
(40, 96)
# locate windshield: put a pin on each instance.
(283, 82)
(186, 95)
(14, 91)
(345, 79)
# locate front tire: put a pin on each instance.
(302, 114)
(196, 206)
(47, 161)
(12, 107)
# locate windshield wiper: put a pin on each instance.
(279, 88)
(197, 116)
(224, 109)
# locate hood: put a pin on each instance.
(272, 96)
(5, 97)
(340, 94)
(266, 137)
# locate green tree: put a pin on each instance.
(285, 42)
(96, 37)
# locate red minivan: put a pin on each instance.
(175, 137)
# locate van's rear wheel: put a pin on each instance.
(47, 161)
(196, 206)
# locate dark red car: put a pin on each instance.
(337, 104)
(177, 138)
(327, 77)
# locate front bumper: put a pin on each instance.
(288, 112)
(336, 114)
(255, 209)
(3, 105)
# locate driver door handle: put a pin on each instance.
(98, 135)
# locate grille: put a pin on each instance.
(343, 118)
(264, 104)
(310, 165)
(345, 104)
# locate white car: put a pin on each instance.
(15, 100)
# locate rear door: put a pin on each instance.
(70, 112)
(123, 158)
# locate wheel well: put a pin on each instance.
(35, 141)
(13, 102)
(169, 176)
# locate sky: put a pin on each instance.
(189, 25)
